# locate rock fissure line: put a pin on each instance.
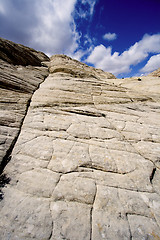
(61, 174)
(152, 175)
(141, 215)
(148, 159)
(49, 160)
(52, 223)
(125, 214)
(91, 214)
(119, 187)
(98, 168)
(7, 156)
(138, 152)
(85, 177)
(130, 231)
(86, 113)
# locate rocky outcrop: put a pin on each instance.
(86, 163)
(64, 64)
(18, 54)
(17, 84)
(156, 73)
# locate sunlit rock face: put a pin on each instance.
(156, 73)
(86, 163)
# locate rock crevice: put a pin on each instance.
(21, 73)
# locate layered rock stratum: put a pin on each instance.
(20, 75)
(156, 73)
(85, 164)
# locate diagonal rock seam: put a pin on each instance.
(15, 57)
(7, 157)
(152, 174)
(91, 214)
(3, 178)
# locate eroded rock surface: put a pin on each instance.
(156, 73)
(86, 164)
(17, 84)
(18, 54)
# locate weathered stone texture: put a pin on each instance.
(18, 54)
(156, 73)
(86, 163)
(17, 84)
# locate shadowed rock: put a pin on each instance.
(18, 54)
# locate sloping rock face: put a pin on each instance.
(156, 73)
(17, 84)
(18, 54)
(86, 164)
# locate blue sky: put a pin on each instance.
(119, 36)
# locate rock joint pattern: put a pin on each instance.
(86, 164)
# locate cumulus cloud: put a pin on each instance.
(152, 64)
(55, 31)
(46, 25)
(117, 63)
(17, 19)
(110, 36)
(2, 10)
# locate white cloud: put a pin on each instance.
(117, 63)
(56, 31)
(46, 25)
(2, 8)
(152, 64)
(110, 36)
(90, 4)
(49, 26)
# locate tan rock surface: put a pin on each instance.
(86, 163)
(156, 73)
(17, 84)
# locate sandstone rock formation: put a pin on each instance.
(86, 163)
(17, 84)
(18, 54)
(156, 73)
